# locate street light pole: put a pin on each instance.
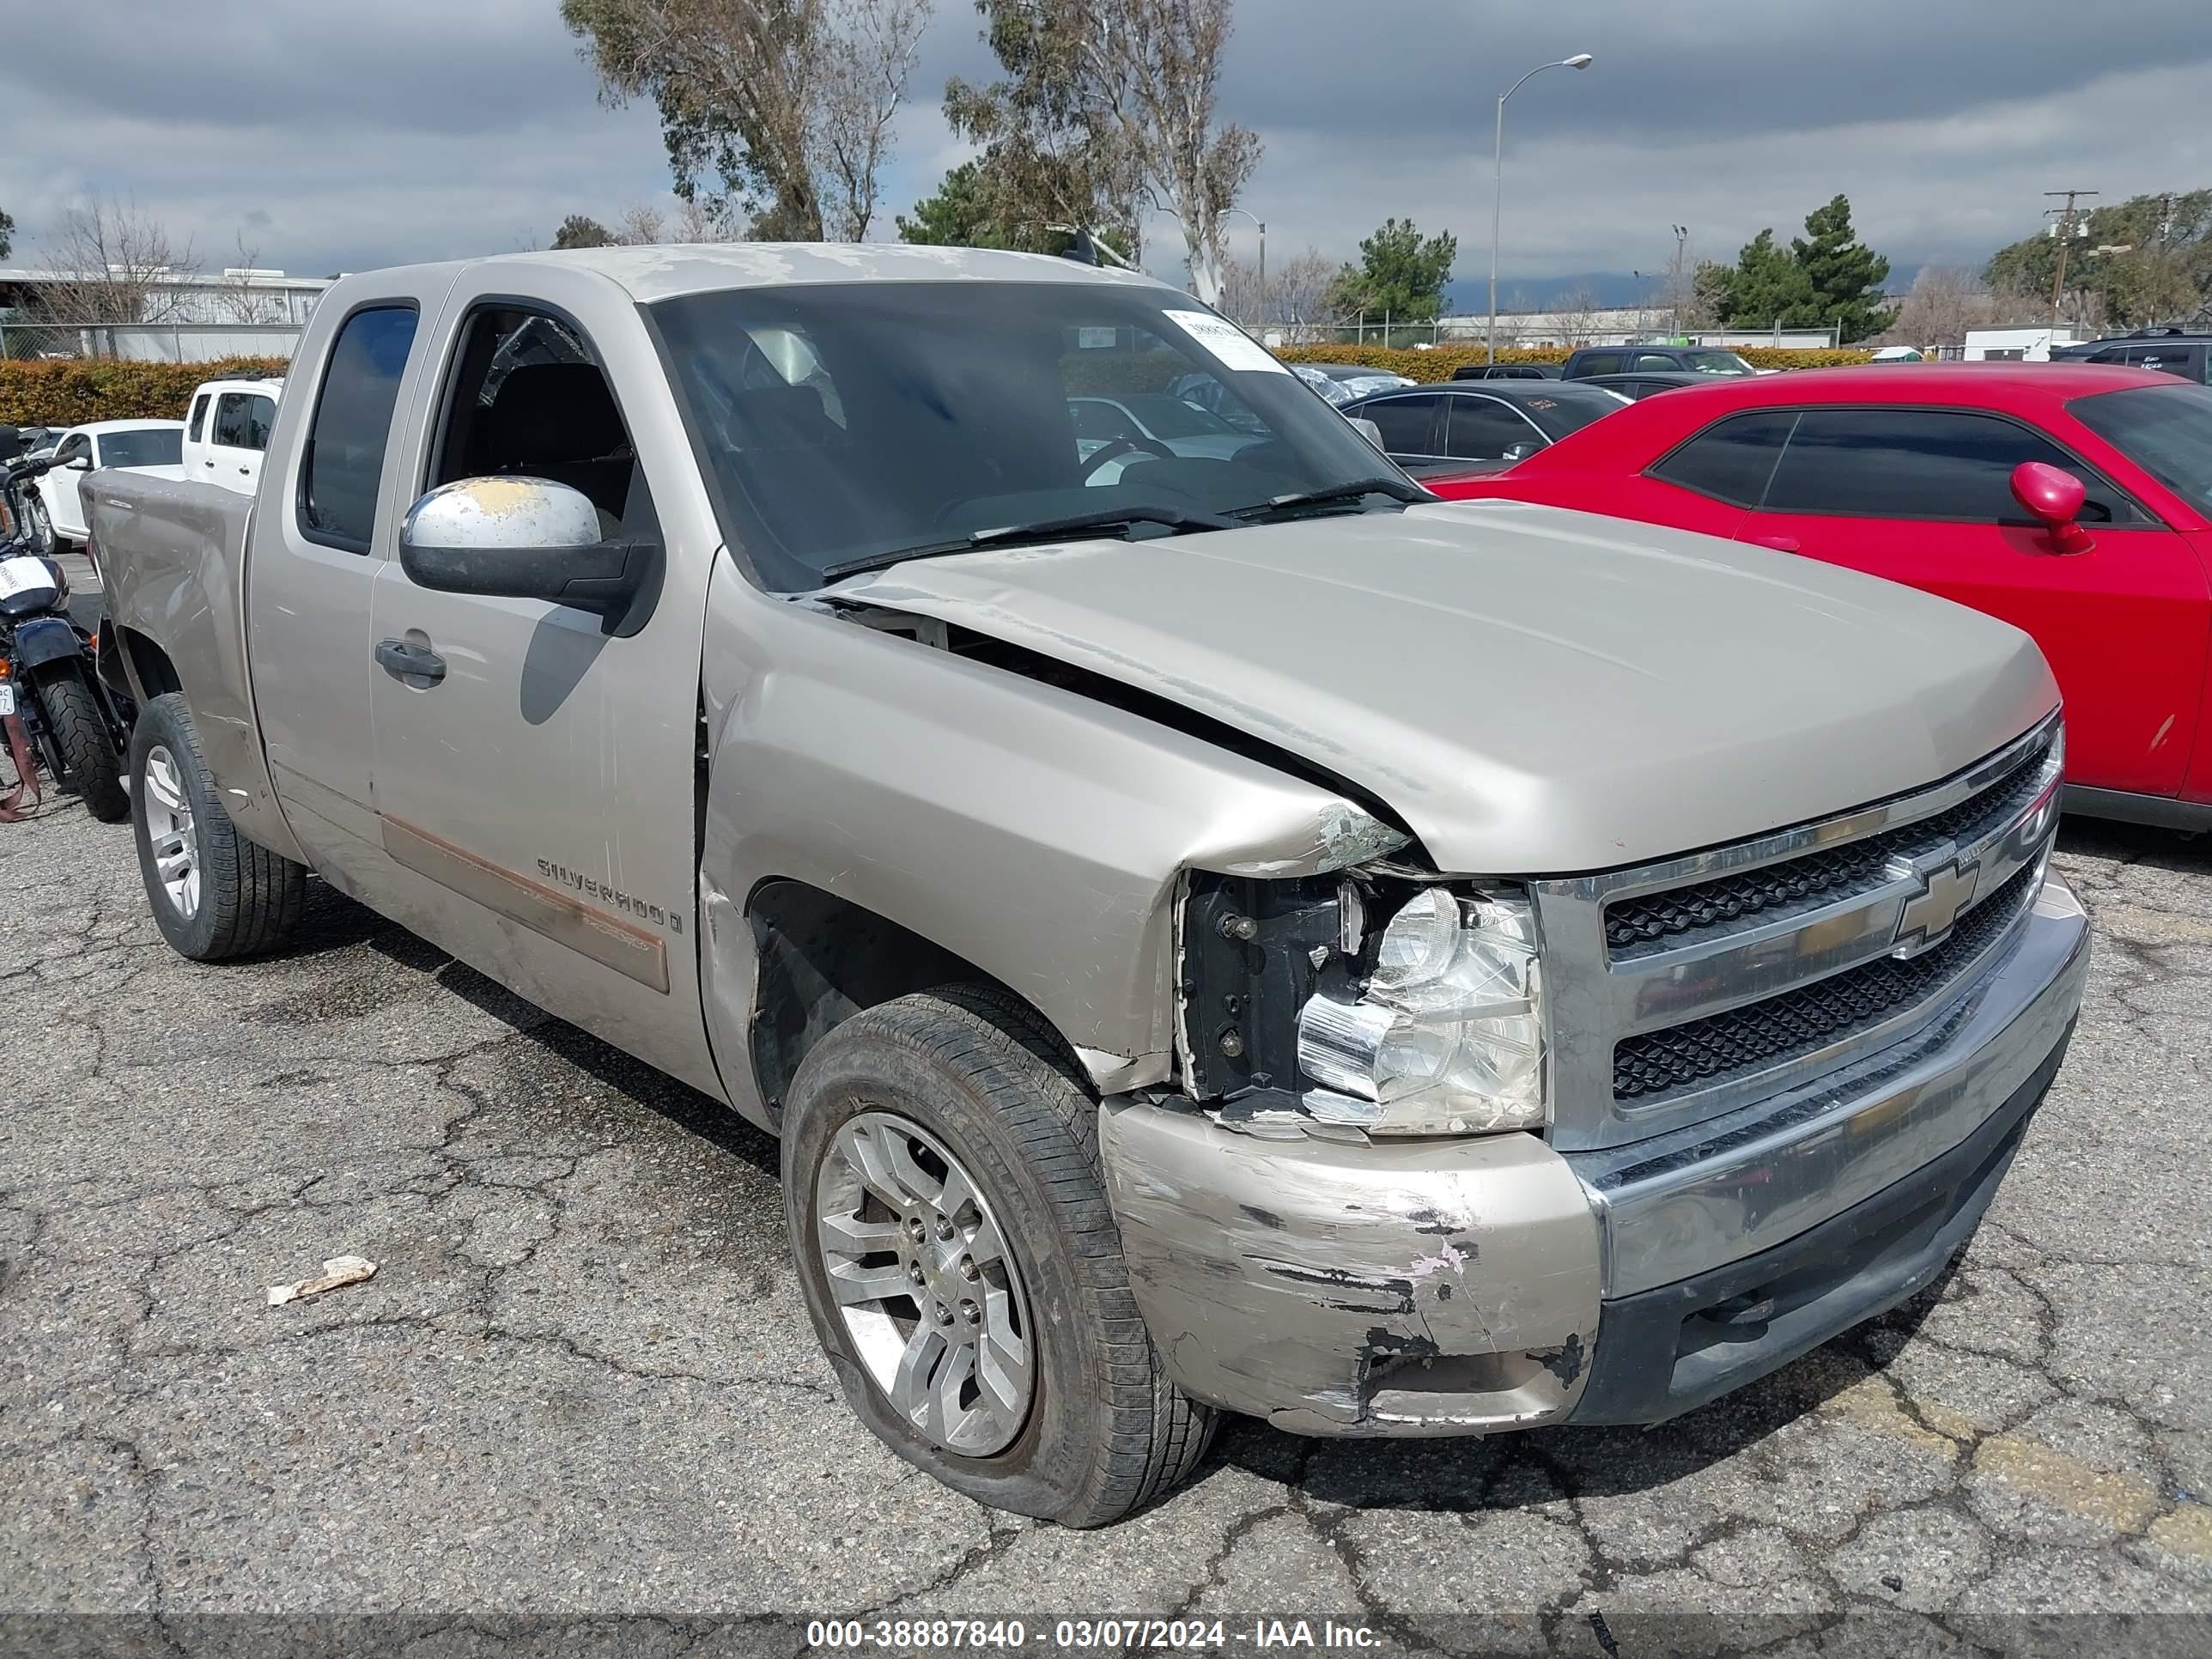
(1580, 60)
(1262, 224)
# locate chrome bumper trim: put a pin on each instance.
(1676, 1205)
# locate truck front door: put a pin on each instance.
(536, 799)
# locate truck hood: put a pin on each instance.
(1534, 691)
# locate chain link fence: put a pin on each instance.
(146, 342)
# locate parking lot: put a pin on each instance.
(581, 1382)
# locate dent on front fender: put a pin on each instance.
(1033, 832)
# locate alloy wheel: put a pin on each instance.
(170, 832)
(928, 1291)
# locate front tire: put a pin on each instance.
(962, 1267)
(91, 768)
(214, 894)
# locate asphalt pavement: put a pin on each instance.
(579, 1407)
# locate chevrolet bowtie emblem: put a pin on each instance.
(1927, 916)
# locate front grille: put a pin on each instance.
(1656, 921)
(1711, 1050)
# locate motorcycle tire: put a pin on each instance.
(94, 771)
(39, 524)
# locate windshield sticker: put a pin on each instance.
(1230, 344)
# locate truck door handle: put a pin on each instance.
(403, 661)
(1779, 544)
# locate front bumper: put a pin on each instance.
(1465, 1287)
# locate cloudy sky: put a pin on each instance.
(329, 137)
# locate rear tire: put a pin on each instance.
(982, 1080)
(91, 770)
(214, 894)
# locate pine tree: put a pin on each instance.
(1767, 286)
(1400, 273)
(1843, 275)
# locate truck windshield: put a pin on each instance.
(2167, 430)
(841, 422)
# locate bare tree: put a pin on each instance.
(1297, 300)
(700, 220)
(1301, 288)
(783, 106)
(1942, 304)
(872, 47)
(1576, 310)
(238, 299)
(108, 261)
(641, 226)
(1131, 85)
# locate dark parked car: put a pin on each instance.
(1643, 386)
(1508, 371)
(1659, 359)
(2169, 350)
(1492, 423)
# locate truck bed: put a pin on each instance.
(172, 557)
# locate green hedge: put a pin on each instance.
(1438, 365)
(70, 391)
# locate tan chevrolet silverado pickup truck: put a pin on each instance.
(1213, 928)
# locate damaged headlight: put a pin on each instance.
(1447, 1038)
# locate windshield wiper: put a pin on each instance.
(1397, 490)
(1044, 529)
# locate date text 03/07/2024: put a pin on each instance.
(1115, 1635)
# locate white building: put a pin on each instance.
(189, 317)
(2019, 345)
(1612, 325)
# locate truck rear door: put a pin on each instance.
(536, 798)
(240, 434)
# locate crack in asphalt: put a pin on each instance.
(545, 1198)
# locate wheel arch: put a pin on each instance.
(145, 664)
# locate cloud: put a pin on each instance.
(333, 138)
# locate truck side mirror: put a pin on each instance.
(2054, 497)
(526, 538)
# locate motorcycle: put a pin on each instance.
(77, 726)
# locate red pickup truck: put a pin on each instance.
(2073, 500)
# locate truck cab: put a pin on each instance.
(226, 432)
(1210, 930)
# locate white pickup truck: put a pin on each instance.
(1213, 931)
(226, 432)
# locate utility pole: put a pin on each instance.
(2064, 231)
